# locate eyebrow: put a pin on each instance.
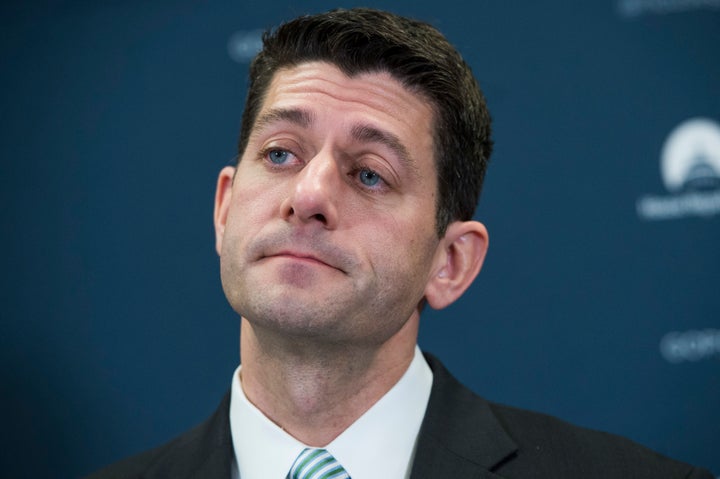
(370, 134)
(296, 116)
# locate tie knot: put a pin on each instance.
(316, 464)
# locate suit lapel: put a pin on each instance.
(460, 435)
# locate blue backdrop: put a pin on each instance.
(599, 299)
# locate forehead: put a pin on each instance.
(377, 98)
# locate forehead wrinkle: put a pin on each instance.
(370, 134)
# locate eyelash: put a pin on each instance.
(354, 172)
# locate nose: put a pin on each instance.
(314, 193)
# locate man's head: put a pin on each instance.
(328, 227)
(416, 54)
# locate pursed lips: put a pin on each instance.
(306, 257)
(295, 248)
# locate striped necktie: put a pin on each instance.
(316, 464)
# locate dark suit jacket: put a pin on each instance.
(462, 436)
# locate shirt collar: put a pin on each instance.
(264, 450)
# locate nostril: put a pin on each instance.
(291, 211)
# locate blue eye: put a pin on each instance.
(278, 157)
(369, 178)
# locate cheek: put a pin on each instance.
(406, 254)
(243, 221)
(252, 200)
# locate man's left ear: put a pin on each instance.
(458, 260)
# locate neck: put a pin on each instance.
(316, 391)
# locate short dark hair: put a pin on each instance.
(415, 53)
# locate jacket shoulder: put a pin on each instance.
(473, 434)
(134, 467)
(557, 448)
(204, 451)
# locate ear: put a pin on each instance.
(223, 195)
(458, 260)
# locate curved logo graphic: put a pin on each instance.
(690, 159)
(690, 170)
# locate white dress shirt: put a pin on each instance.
(380, 444)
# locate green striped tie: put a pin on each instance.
(316, 464)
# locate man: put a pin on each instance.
(363, 147)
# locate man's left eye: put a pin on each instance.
(369, 177)
(278, 157)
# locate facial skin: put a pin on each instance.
(326, 231)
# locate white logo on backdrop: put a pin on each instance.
(690, 170)
(243, 45)
(635, 8)
(693, 345)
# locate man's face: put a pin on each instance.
(328, 228)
